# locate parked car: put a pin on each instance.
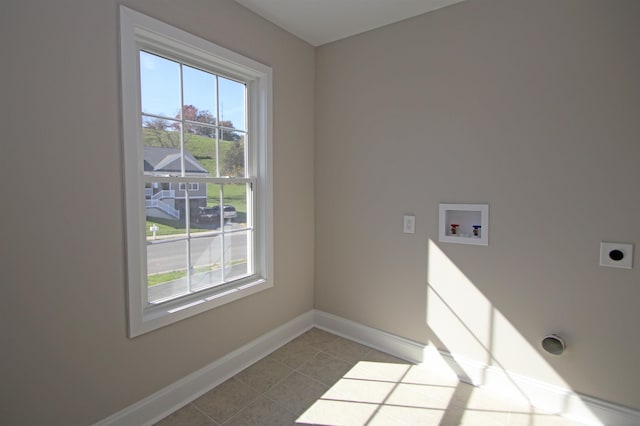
(212, 214)
(230, 212)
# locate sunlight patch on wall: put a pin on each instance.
(485, 345)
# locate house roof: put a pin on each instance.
(167, 160)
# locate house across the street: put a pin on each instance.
(166, 200)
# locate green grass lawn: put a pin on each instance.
(201, 147)
(164, 277)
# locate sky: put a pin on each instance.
(160, 86)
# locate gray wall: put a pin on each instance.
(65, 357)
(530, 106)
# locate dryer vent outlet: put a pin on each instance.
(553, 344)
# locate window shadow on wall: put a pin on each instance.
(484, 347)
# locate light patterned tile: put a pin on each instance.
(357, 390)
(421, 396)
(347, 350)
(475, 417)
(296, 393)
(295, 353)
(317, 338)
(329, 412)
(407, 416)
(264, 374)
(262, 412)
(187, 415)
(377, 356)
(382, 371)
(226, 400)
(420, 374)
(325, 368)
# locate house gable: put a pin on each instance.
(167, 160)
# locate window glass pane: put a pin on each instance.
(196, 194)
(165, 207)
(235, 201)
(199, 95)
(159, 85)
(206, 262)
(166, 270)
(200, 144)
(237, 248)
(232, 153)
(232, 104)
(160, 133)
(206, 216)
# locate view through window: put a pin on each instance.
(197, 193)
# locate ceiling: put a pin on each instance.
(323, 21)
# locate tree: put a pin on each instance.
(160, 132)
(166, 133)
(234, 160)
(205, 117)
(229, 135)
(191, 113)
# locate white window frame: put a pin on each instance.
(138, 30)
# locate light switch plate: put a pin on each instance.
(608, 255)
(409, 224)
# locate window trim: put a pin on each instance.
(136, 31)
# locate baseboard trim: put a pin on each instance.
(377, 339)
(162, 403)
(565, 402)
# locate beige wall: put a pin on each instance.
(65, 357)
(530, 106)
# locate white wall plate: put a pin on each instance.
(616, 255)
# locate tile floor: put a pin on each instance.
(322, 379)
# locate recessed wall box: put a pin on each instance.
(464, 224)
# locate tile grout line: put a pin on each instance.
(293, 370)
(202, 412)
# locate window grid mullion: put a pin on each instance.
(223, 235)
(183, 174)
(199, 179)
(218, 131)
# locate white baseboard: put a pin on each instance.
(553, 399)
(381, 340)
(162, 403)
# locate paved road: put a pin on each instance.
(198, 281)
(172, 256)
(205, 252)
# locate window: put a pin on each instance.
(192, 186)
(196, 138)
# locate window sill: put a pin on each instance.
(157, 316)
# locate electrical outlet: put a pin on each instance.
(409, 226)
(616, 255)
